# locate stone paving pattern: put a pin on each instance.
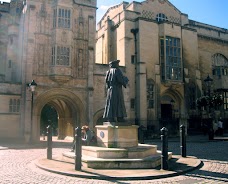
(17, 164)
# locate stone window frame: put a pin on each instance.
(14, 105)
(60, 55)
(171, 58)
(219, 65)
(161, 17)
(62, 18)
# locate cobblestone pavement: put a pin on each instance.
(17, 166)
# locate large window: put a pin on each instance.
(14, 105)
(61, 18)
(170, 57)
(220, 65)
(60, 56)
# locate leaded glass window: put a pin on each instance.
(63, 56)
(61, 18)
(170, 58)
(219, 65)
(60, 56)
(14, 105)
(161, 17)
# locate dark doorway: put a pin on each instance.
(166, 111)
(49, 116)
(168, 120)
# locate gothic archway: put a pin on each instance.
(69, 107)
(172, 106)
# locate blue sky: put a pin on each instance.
(213, 12)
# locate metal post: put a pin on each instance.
(78, 149)
(164, 154)
(32, 87)
(31, 127)
(49, 142)
(183, 141)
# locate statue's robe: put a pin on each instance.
(115, 107)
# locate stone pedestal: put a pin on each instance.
(112, 136)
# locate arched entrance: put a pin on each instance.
(171, 105)
(69, 109)
(49, 116)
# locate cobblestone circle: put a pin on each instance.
(17, 167)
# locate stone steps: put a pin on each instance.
(144, 156)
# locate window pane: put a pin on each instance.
(59, 12)
(175, 42)
(167, 51)
(63, 56)
(162, 41)
(178, 52)
(173, 59)
(167, 41)
(18, 105)
(171, 51)
(178, 42)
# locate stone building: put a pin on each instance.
(165, 55)
(53, 43)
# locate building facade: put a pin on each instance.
(53, 43)
(165, 55)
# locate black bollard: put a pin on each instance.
(164, 148)
(182, 141)
(78, 149)
(49, 142)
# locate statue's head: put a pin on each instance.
(114, 64)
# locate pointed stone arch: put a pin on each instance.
(174, 94)
(70, 109)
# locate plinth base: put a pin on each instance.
(110, 136)
(141, 157)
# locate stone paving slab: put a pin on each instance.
(177, 166)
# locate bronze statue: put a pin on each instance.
(115, 108)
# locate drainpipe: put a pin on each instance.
(134, 32)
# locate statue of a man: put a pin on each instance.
(115, 108)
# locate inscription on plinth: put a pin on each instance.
(117, 136)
